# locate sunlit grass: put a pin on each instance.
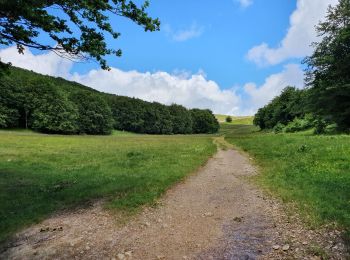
(312, 171)
(236, 120)
(40, 174)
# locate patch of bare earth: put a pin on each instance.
(214, 214)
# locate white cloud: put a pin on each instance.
(181, 87)
(47, 63)
(292, 75)
(245, 3)
(301, 33)
(193, 31)
(191, 91)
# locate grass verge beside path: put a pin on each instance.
(312, 171)
(40, 174)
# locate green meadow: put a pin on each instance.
(236, 120)
(41, 174)
(310, 171)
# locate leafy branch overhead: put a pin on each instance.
(78, 28)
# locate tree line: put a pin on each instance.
(54, 105)
(325, 102)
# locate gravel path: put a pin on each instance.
(214, 214)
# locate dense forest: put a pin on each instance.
(325, 102)
(54, 105)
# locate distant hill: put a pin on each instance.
(236, 120)
(58, 106)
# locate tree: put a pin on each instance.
(204, 121)
(283, 109)
(328, 73)
(81, 36)
(228, 119)
(181, 119)
(94, 114)
(55, 113)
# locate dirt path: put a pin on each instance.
(214, 214)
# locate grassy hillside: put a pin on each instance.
(40, 174)
(309, 170)
(57, 106)
(236, 120)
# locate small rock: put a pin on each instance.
(160, 257)
(184, 257)
(285, 247)
(237, 219)
(44, 229)
(87, 248)
(208, 214)
(113, 258)
(121, 256)
(276, 247)
(128, 253)
(305, 243)
(147, 224)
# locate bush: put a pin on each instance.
(204, 121)
(299, 124)
(228, 119)
(278, 128)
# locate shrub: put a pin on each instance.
(278, 128)
(228, 119)
(299, 124)
(204, 121)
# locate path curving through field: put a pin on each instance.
(214, 214)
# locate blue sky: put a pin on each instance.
(231, 56)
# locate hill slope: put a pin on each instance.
(55, 105)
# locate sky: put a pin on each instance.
(231, 56)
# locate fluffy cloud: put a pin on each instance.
(182, 35)
(47, 63)
(301, 33)
(292, 75)
(191, 91)
(245, 3)
(181, 87)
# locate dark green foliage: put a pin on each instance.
(282, 109)
(8, 117)
(228, 119)
(94, 115)
(127, 113)
(54, 113)
(327, 97)
(204, 121)
(55, 105)
(157, 119)
(79, 36)
(328, 74)
(181, 118)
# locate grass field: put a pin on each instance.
(236, 120)
(40, 174)
(311, 171)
